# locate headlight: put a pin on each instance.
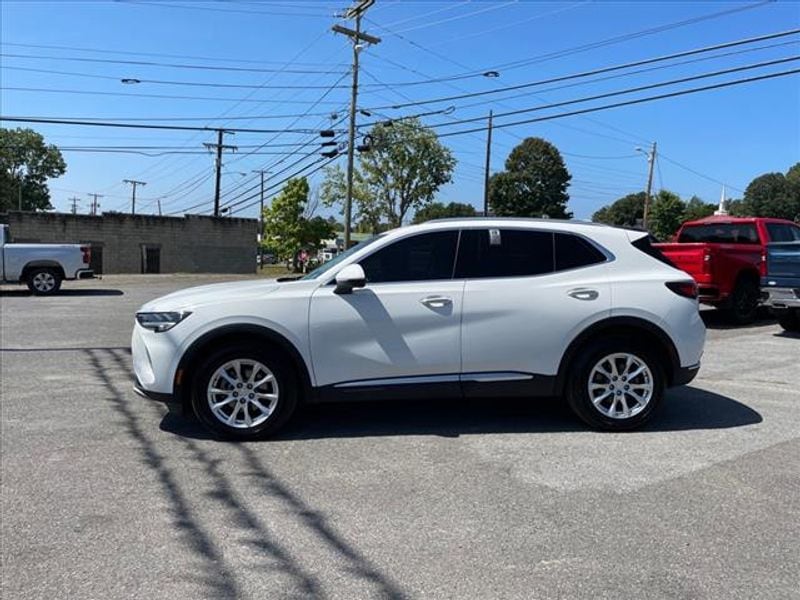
(160, 321)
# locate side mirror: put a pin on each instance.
(352, 276)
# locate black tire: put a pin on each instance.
(743, 308)
(789, 319)
(577, 388)
(287, 386)
(43, 281)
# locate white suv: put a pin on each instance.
(451, 308)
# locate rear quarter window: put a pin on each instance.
(720, 233)
(572, 252)
(645, 244)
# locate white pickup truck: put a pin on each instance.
(42, 266)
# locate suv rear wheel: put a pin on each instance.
(615, 384)
(244, 392)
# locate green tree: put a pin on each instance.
(666, 214)
(437, 210)
(697, 209)
(772, 195)
(401, 173)
(628, 211)
(26, 163)
(287, 230)
(534, 182)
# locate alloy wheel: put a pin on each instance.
(242, 393)
(621, 385)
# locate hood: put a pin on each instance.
(211, 294)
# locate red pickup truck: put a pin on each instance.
(726, 257)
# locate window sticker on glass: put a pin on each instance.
(494, 237)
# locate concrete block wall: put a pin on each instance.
(189, 244)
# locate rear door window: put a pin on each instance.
(490, 253)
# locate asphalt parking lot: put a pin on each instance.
(106, 495)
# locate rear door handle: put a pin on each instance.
(584, 294)
(437, 301)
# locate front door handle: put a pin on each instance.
(584, 294)
(437, 301)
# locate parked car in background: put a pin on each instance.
(781, 285)
(42, 266)
(726, 257)
(452, 308)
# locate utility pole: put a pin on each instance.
(133, 183)
(486, 173)
(75, 200)
(357, 37)
(95, 203)
(651, 160)
(219, 147)
(261, 221)
(159, 206)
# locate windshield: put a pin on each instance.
(325, 267)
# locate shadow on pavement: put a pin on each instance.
(67, 292)
(718, 319)
(216, 571)
(684, 408)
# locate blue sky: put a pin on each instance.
(728, 135)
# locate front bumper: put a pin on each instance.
(170, 400)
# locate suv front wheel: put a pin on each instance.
(615, 384)
(244, 393)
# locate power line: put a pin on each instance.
(144, 126)
(597, 71)
(164, 55)
(628, 36)
(150, 63)
(628, 90)
(631, 102)
(162, 96)
(704, 176)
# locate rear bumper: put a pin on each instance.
(84, 274)
(780, 297)
(685, 375)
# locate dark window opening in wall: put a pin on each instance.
(151, 259)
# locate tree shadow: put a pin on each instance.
(221, 488)
(67, 292)
(684, 408)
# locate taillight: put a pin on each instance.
(687, 289)
(707, 261)
(87, 254)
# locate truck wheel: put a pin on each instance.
(789, 319)
(44, 282)
(616, 384)
(744, 302)
(245, 392)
